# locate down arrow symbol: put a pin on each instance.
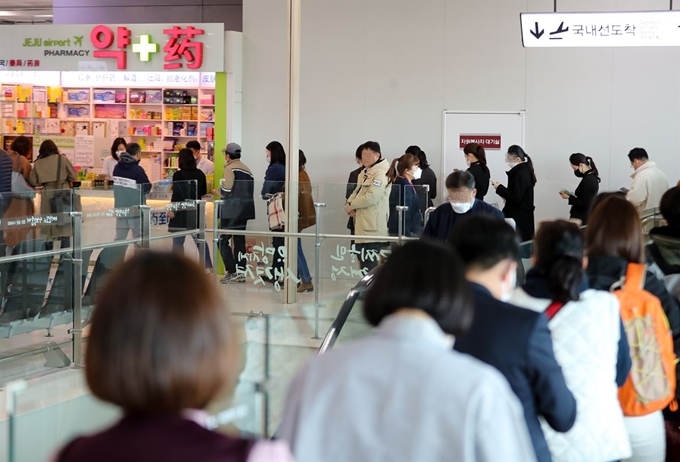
(537, 34)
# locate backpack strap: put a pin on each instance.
(552, 309)
(635, 276)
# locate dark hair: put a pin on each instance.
(614, 230)
(114, 147)
(460, 179)
(21, 145)
(372, 146)
(47, 148)
(478, 151)
(670, 206)
(154, 350)
(420, 154)
(426, 275)
(637, 154)
(278, 154)
(186, 159)
(302, 160)
(360, 149)
(133, 149)
(483, 241)
(517, 151)
(193, 144)
(578, 159)
(400, 165)
(558, 248)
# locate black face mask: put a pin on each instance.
(579, 174)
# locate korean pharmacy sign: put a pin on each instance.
(622, 29)
(119, 47)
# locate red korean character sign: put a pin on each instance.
(180, 46)
(102, 37)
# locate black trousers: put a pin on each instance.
(370, 254)
(236, 256)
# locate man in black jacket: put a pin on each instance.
(130, 186)
(514, 340)
(352, 182)
(460, 203)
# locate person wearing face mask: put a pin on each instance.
(460, 203)
(475, 157)
(369, 205)
(401, 174)
(584, 168)
(519, 194)
(589, 341)
(274, 182)
(117, 148)
(427, 177)
(516, 341)
(649, 182)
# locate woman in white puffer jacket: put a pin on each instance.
(589, 345)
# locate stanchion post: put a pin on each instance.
(77, 281)
(317, 265)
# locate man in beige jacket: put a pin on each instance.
(369, 204)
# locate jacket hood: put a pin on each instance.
(127, 160)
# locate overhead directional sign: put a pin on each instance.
(621, 29)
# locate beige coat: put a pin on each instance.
(44, 174)
(371, 202)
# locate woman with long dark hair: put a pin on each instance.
(427, 177)
(402, 174)
(589, 343)
(188, 183)
(117, 148)
(475, 157)
(274, 183)
(519, 194)
(584, 167)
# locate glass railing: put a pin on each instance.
(46, 310)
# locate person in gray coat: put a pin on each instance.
(402, 393)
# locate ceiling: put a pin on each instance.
(25, 11)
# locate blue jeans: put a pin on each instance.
(303, 269)
(178, 247)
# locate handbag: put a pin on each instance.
(20, 188)
(277, 216)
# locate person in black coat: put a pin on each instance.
(461, 203)
(188, 183)
(352, 182)
(519, 194)
(514, 340)
(614, 239)
(402, 173)
(475, 157)
(427, 178)
(584, 167)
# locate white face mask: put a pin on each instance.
(467, 161)
(461, 207)
(120, 152)
(417, 173)
(268, 159)
(509, 286)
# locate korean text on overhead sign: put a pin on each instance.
(486, 141)
(618, 29)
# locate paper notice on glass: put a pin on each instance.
(84, 152)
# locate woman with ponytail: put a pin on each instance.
(428, 177)
(519, 194)
(475, 156)
(584, 167)
(589, 344)
(401, 174)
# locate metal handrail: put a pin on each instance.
(345, 310)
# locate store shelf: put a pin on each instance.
(99, 103)
(145, 104)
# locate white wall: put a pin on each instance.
(385, 70)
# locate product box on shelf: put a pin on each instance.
(137, 97)
(121, 96)
(78, 111)
(8, 93)
(207, 115)
(77, 95)
(154, 96)
(24, 94)
(54, 94)
(104, 96)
